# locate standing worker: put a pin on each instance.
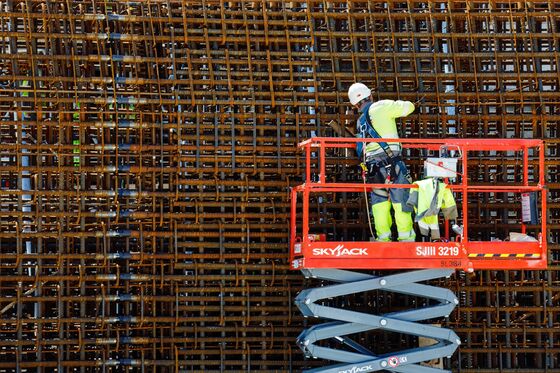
(383, 161)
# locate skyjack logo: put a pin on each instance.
(357, 369)
(340, 250)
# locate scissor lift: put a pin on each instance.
(333, 260)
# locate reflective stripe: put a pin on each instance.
(374, 149)
(381, 193)
(384, 237)
(406, 234)
(423, 224)
(431, 230)
(478, 255)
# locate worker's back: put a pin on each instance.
(383, 114)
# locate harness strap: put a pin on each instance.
(366, 128)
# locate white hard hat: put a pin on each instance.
(357, 92)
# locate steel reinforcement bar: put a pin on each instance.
(146, 154)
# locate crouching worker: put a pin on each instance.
(383, 160)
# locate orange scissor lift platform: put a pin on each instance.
(306, 251)
(331, 260)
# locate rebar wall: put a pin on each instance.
(147, 148)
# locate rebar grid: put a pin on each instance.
(147, 147)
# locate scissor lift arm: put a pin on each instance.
(350, 322)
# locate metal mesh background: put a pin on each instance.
(147, 148)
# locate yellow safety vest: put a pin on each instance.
(383, 114)
(427, 200)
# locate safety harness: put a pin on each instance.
(366, 129)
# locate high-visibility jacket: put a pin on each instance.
(382, 115)
(431, 196)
